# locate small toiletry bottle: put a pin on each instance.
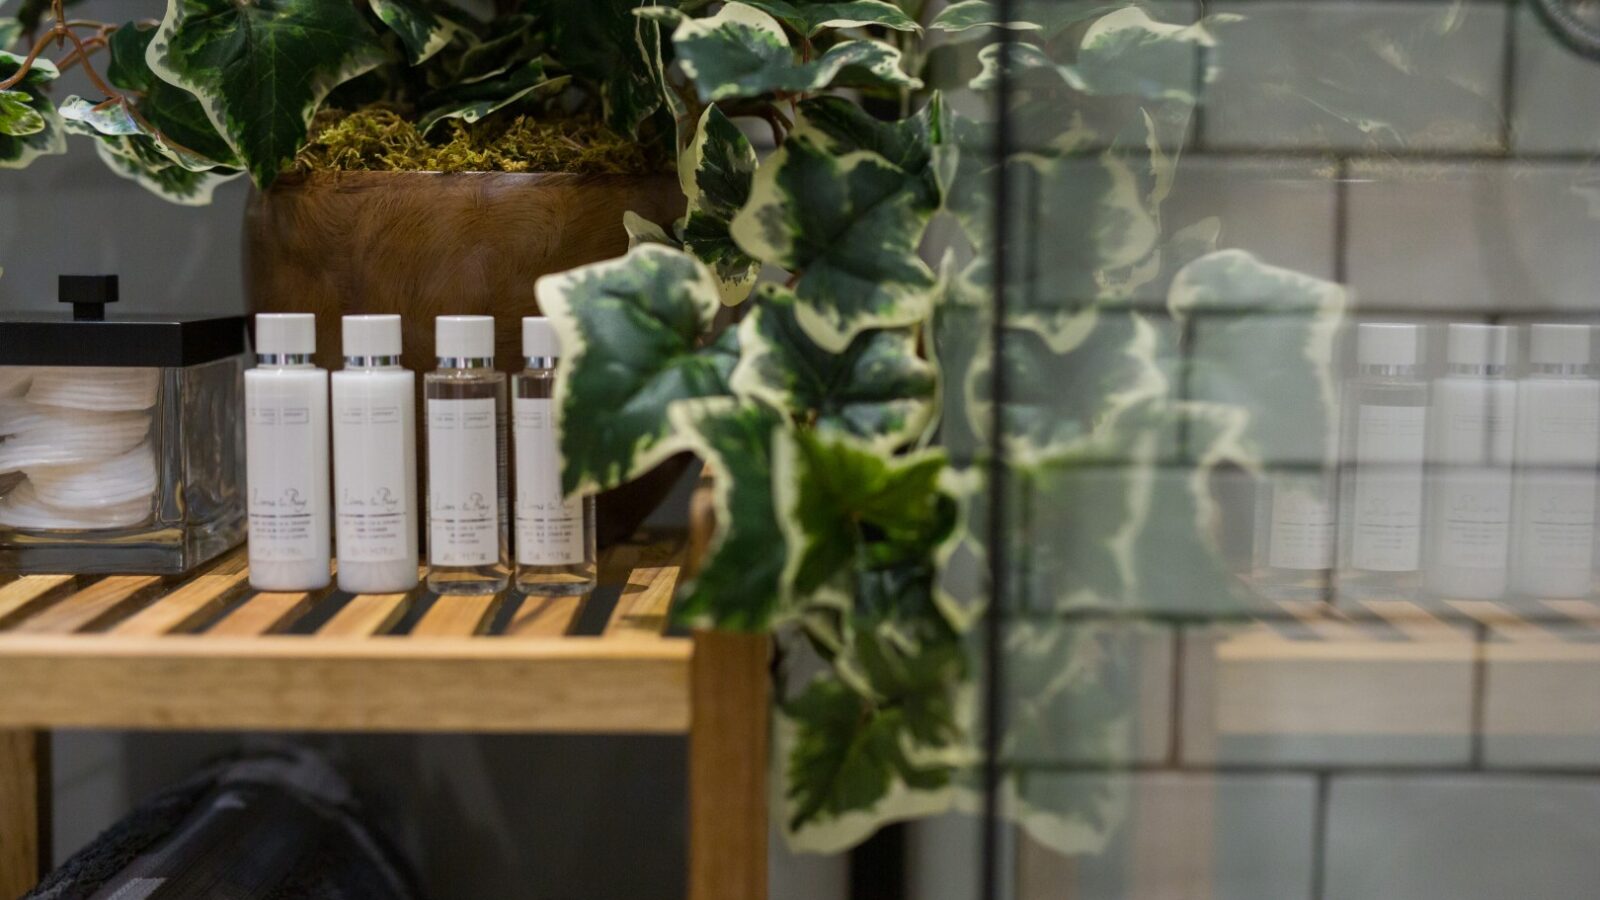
(466, 405)
(555, 537)
(1296, 528)
(1557, 449)
(286, 457)
(1383, 430)
(375, 460)
(1469, 466)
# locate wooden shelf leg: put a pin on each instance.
(24, 810)
(728, 767)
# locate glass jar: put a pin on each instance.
(121, 439)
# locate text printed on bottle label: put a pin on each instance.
(282, 459)
(549, 527)
(372, 484)
(463, 483)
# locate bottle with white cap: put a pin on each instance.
(1470, 428)
(555, 538)
(286, 457)
(466, 403)
(375, 460)
(1384, 428)
(1557, 449)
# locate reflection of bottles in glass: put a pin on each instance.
(466, 401)
(1469, 466)
(286, 449)
(1557, 448)
(375, 460)
(1295, 533)
(555, 534)
(1380, 504)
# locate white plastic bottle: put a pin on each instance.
(555, 534)
(468, 532)
(1557, 449)
(1383, 430)
(286, 449)
(375, 460)
(1470, 428)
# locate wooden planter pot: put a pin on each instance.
(424, 244)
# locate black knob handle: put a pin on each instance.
(88, 295)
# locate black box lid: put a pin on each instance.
(91, 338)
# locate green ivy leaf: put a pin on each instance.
(186, 134)
(716, 171)
(834, 492)
(10, 32)
(643, 231)
(842, 126)
(739, 585)
(743, 52)
(878, 389)
(602, 41)
(17, 151)
(471, 102)
(155, 172)
(1127, 52)
(850, 225)
(18, 118)
(810, 18)
(969, 14)
(423, 29)
(261, 69)
(630, 331)
(1249, 318)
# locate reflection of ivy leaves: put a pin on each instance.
(810, 18)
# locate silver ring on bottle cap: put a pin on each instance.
(370, 362)
(541, 362)
(282, 359)
(466, 362)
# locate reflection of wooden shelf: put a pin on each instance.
(206, 652)
(1397, 682)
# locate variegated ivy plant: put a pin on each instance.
(848, 415)
(213, 89)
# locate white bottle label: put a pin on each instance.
(1387, 527)
(1302, 528)
(282, 465)
(463, 483)
(1473, 517)
(369, 437)
(549, 528)
(1558, 531)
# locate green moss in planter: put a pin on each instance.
(379, 138)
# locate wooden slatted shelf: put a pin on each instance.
(206, 652)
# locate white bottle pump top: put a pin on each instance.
(1386, 344)
(1471, 344)
(1559, 345)
(539, 338)
(371, 336)
(283, 334)
(464, 337)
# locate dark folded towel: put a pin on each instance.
(272, 827)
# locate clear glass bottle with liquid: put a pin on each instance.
(555, 535)
(1383, 432)
(465, 398)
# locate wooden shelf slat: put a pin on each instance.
(101, 602)
(366, 615)
(262, 614)
(642, 609)
(22, 597)
(573, 685)
(458, 615)
(191, 604)
(545, 617)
